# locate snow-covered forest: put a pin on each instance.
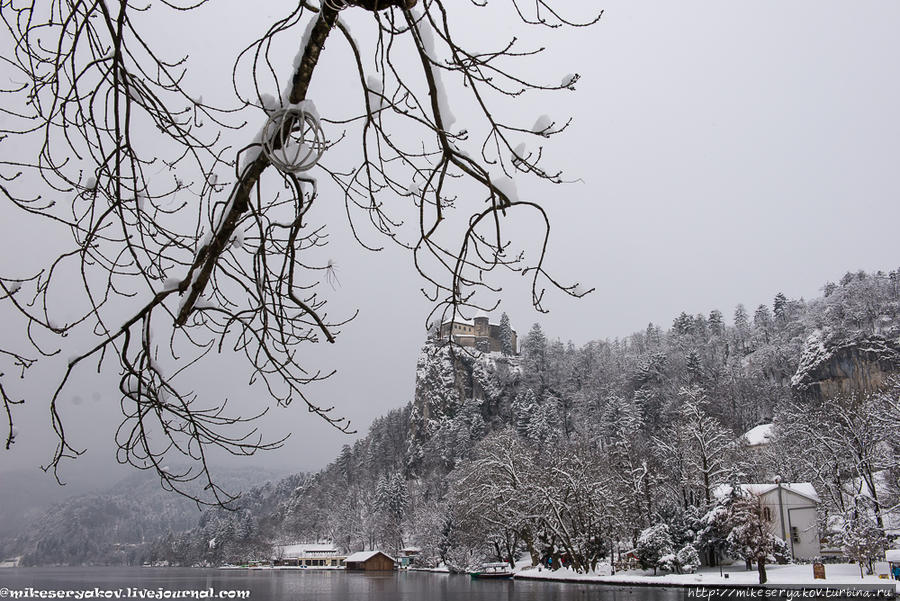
(621, 444)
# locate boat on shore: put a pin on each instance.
(497, 571)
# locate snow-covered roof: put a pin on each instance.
(758, 436)
(892, 555)
(804, 489)
(360, 556)
(466, 322)
(306, 550)
(459, 321)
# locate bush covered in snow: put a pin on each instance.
(654, 548)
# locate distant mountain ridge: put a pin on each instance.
(116, 526)
(26, 494)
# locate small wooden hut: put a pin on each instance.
(370, 561)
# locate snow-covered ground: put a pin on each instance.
(442, 569)
(797, 574)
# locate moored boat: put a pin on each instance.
(498, 571)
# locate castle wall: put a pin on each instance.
(481, 334)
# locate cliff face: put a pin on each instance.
(443, 382)
(449, 378)
(859, 366)
(461, 394)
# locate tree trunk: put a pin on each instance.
(529, 544)
(706, 485)
(870, 483)
(511, 547)
(761, 567)
(612, 558)
(376, 5)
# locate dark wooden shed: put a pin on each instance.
(370, 561)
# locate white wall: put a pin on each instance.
(795, 512)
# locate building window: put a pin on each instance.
(767, 514)
(795, 535)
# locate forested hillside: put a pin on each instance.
(577, 452)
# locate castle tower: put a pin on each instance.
(482, 325)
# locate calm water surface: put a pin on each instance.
(313, 585)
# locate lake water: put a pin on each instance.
(315, 585)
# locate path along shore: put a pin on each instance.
(837, 576)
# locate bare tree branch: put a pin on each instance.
(185, 246)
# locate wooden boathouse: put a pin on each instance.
(370, 561)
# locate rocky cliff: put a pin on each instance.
(831, 368)
(460, 395)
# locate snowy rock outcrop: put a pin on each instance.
(461, 394)
(448, 377)
(833, 368)
(443, 383)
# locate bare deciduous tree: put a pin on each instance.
(184, 245)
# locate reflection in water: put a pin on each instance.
(323, 585)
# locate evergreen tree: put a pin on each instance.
(700, 328)
(683, 325)
(534, 360)
(750, 533)
(741, 320)
(543, 428)
(506, 336)
(780, 306)
(741, 327)
(694, 368)
(653, 545)
(762, 323)
(522, 409)
(344, 463)
(687, 558)
(716, 323)
(391, 502)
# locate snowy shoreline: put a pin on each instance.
(839, 576)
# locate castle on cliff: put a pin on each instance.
(479, 333)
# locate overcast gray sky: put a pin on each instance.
(724, 151)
